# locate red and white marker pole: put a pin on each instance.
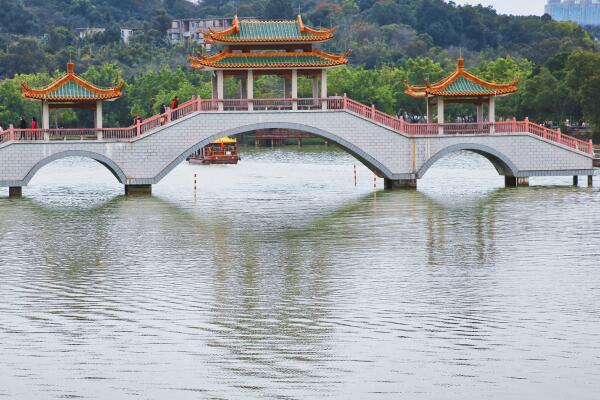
(354, 174)
(195, 182)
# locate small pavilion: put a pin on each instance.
(462, 87)
(71, 91)
(284, 48)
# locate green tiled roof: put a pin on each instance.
(463, 85)
(271, 30)
(71, 90)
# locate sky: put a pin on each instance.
(521, 7)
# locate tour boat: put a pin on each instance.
(222, 151)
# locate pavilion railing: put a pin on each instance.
(331, 103)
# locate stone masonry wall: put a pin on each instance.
(149, 158)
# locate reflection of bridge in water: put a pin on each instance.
(141, 155)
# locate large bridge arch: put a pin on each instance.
(367, 159)
(500, 161)
(102, 159)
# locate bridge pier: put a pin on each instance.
(15, 192)
(575, 180)
(133, 190)
(510, 181)
(590, 180)
(400, 183)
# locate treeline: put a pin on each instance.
(565, 87)
(39, 35)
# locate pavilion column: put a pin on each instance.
(315, 87)
(324, 89)
(99, 119)
(294, 89)
(250, 89)
(46, 119)
(440, 115)
(492, 114)
(220, 89)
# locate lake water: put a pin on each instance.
(281, 279)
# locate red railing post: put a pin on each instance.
(345, 102)
(168, 114)
(138, 128)
(514, 125)
(11, 134)
(590, 147)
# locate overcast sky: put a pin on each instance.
(525, 7)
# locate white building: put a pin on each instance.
(192, 29)
(127, 33)
(86, 33)
(584, 12)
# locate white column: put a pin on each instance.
(98, 119)
(220, 88)
(440, 113)
(492, 114)
(213, 79)
(250, 89)
(315, 87)
(294, 89)
(324, 88)
(492, 109)
(45, 115)
(98, 115)
(46, 119)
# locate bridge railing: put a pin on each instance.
(332, 103)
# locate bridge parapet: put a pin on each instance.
(394, 123)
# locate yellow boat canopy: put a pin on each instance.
(225, 140)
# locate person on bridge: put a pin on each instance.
(33, 123)
(163, 114)
(22, 123)
(175, 102)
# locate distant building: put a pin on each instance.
(584, 12)
(127, 33)
(86, 33)
(193, 29)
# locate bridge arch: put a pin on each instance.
(368, 160)
(501, 162)
(105, 161)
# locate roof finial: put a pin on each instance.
(460, 64)
(70, 68)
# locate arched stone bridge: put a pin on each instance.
(400, 158)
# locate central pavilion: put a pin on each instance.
(282, 48)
